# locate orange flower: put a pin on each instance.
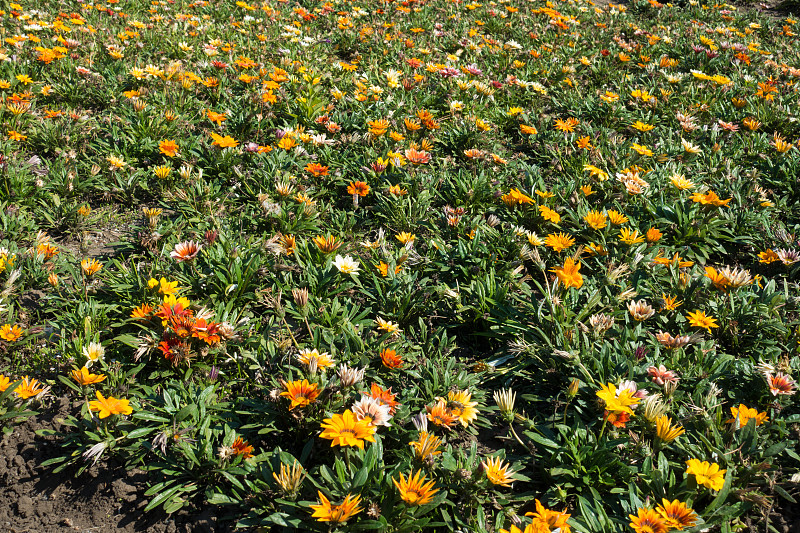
(109, 406)
(242, 447)
(391, 359)
(316, 170)
(301, 393)
(358, 187)
(224, 142)
(568, 274)
(185, 251)
(417, 157)
(168, 148)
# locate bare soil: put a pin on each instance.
(105, 498)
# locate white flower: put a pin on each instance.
(93, 353)
(346, 264)
(690, 148)
(369, 407)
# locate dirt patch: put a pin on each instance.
(106, 498)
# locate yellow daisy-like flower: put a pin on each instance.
(346, 430)
(706, 474)
(497, 471)
(414, 491)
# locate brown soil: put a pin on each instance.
(105, 498)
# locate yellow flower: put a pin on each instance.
(325, 512)
(676, 514)
(405, 237)
(699, 319)
(545, 519)
(641, 126)
(706, 474)
(617, 402)
(559, 241)
(568, 274)
(743, 414)
(666, 431)
(549, 214)
(83, 377)
(301, 393)
(109, 406)
(224, 142)
(461, 407)
(617, 218)
(10, 333)
(414, 490)
(596, 219)
(345, 430)
(630, 237)
(28, 388)
(426, 445)
(90, 267)
(497, 471)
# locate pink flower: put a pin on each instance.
(661, 375)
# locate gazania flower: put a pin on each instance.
(781, 383)
(670, 303)
(417, 157)
(568, 274)
(768, 256)
(185, 251)
(290, 478)
(461, 406)
(617, 401)
(413, 490)
(648, 521)
(83, 377)
(630, 237)
(710, 198)
(699, 319)
(676, 514)
(681, 183)
(317, 170)
(346, 430)
(224, 142)
(440, 415)
(28, 388)
(326, 245)
(346, 265)
(426, 445)
(390, 358)
(168, 148)
(596, 220)
(372, 410)
(10, 333)
(616, 217)
(640, 310)
(707, 474)
(242, 447)
(387, 326)
(660, 375)
(497, 471)
(5, 383)
(545, 519)
(670, 343)
(314, 360)
(559, 241)
(405, 237)
(142, 311)
(384, 396)
(666, 431)
(743, 414)
(337, 514)
(549, 215)
(358, 188)
(93, 353)
(109, 406)
(90, 267)
(301, 393)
